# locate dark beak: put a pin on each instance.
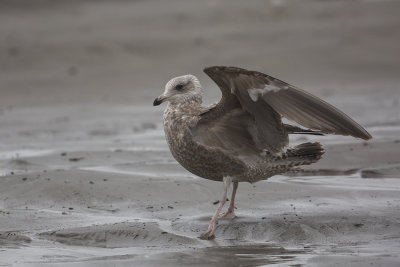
(157, 101)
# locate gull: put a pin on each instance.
(242, 137)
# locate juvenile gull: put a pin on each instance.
(242, 137)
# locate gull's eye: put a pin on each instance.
(179, 87)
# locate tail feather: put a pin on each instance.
(303, 154)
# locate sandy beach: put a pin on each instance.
(87, 179)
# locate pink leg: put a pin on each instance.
(214, 220)
(230, 213)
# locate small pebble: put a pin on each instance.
(216, 202)
(76, 159)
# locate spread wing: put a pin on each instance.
(265, 99)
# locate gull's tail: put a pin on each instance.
(304, 154)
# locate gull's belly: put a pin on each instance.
(206, 162)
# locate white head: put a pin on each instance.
(180, 90)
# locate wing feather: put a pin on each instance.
(293, 103)
(264, 123)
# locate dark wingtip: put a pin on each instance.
(366, 136)
(361, 133)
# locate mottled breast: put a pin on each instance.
(207, 162)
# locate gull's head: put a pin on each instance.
(181, 89)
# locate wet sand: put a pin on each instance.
(86, 175)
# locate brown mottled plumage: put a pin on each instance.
(242, 138)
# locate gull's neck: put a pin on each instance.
(191, 107)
